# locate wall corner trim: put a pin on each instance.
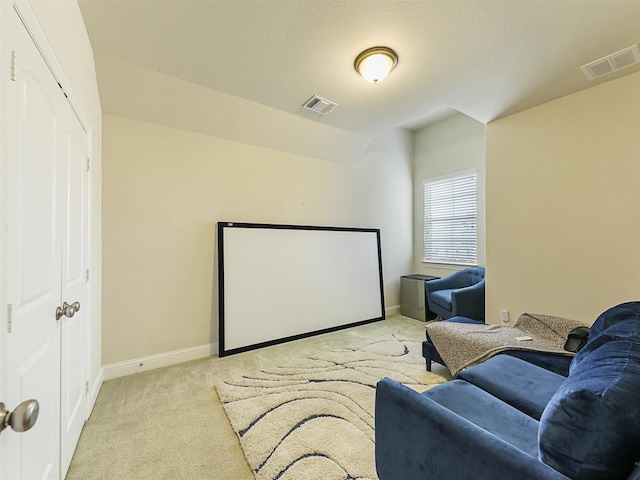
(391, 311)
(94, 390)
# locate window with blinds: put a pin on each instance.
(450, 213)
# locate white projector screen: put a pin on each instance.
(283, 282)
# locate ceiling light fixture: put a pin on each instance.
(374, 64)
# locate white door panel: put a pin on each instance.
(72, 393)
(34, 270)
(42, 437)
(44, 151)
(33, 183)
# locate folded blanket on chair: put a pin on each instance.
(461, 345)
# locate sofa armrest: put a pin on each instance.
(417, 438)
(469, 301)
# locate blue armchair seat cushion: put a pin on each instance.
(491, 415)
(521, 384)
(591, 426)
(443, 297)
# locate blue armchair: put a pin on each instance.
(459, 294)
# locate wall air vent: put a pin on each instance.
(319, 105)
(611, 63)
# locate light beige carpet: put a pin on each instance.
(314, 418)
(169, 424)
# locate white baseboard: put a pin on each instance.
(390, 311)
(129, 367)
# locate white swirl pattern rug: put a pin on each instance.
(313, 419)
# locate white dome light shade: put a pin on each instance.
(374, 64)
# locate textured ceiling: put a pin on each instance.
(484, 58)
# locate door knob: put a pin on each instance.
(67, 310)
(22, 418)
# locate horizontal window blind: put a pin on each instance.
(450, 212)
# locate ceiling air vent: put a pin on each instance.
(319, 105)
(611, 63)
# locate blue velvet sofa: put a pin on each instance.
(458, 294)
(510, 419)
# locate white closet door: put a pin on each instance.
(35, 194)
(73, 151)
(44, 153)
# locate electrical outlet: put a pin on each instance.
(504, 316)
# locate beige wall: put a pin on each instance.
(563, 204)
(164, 191)
(453, 145)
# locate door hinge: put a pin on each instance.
(87, 275)
(12, 73)
(88, 164)
(86, 387)
(9, 318)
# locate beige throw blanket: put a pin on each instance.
(461, 345)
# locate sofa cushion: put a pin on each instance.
(487, 412)
(556, 363)
(600, 330)
(591, 426)
(443, 297)
(521, 384)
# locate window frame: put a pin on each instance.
(457, 240)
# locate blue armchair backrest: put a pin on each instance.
(470, 276)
